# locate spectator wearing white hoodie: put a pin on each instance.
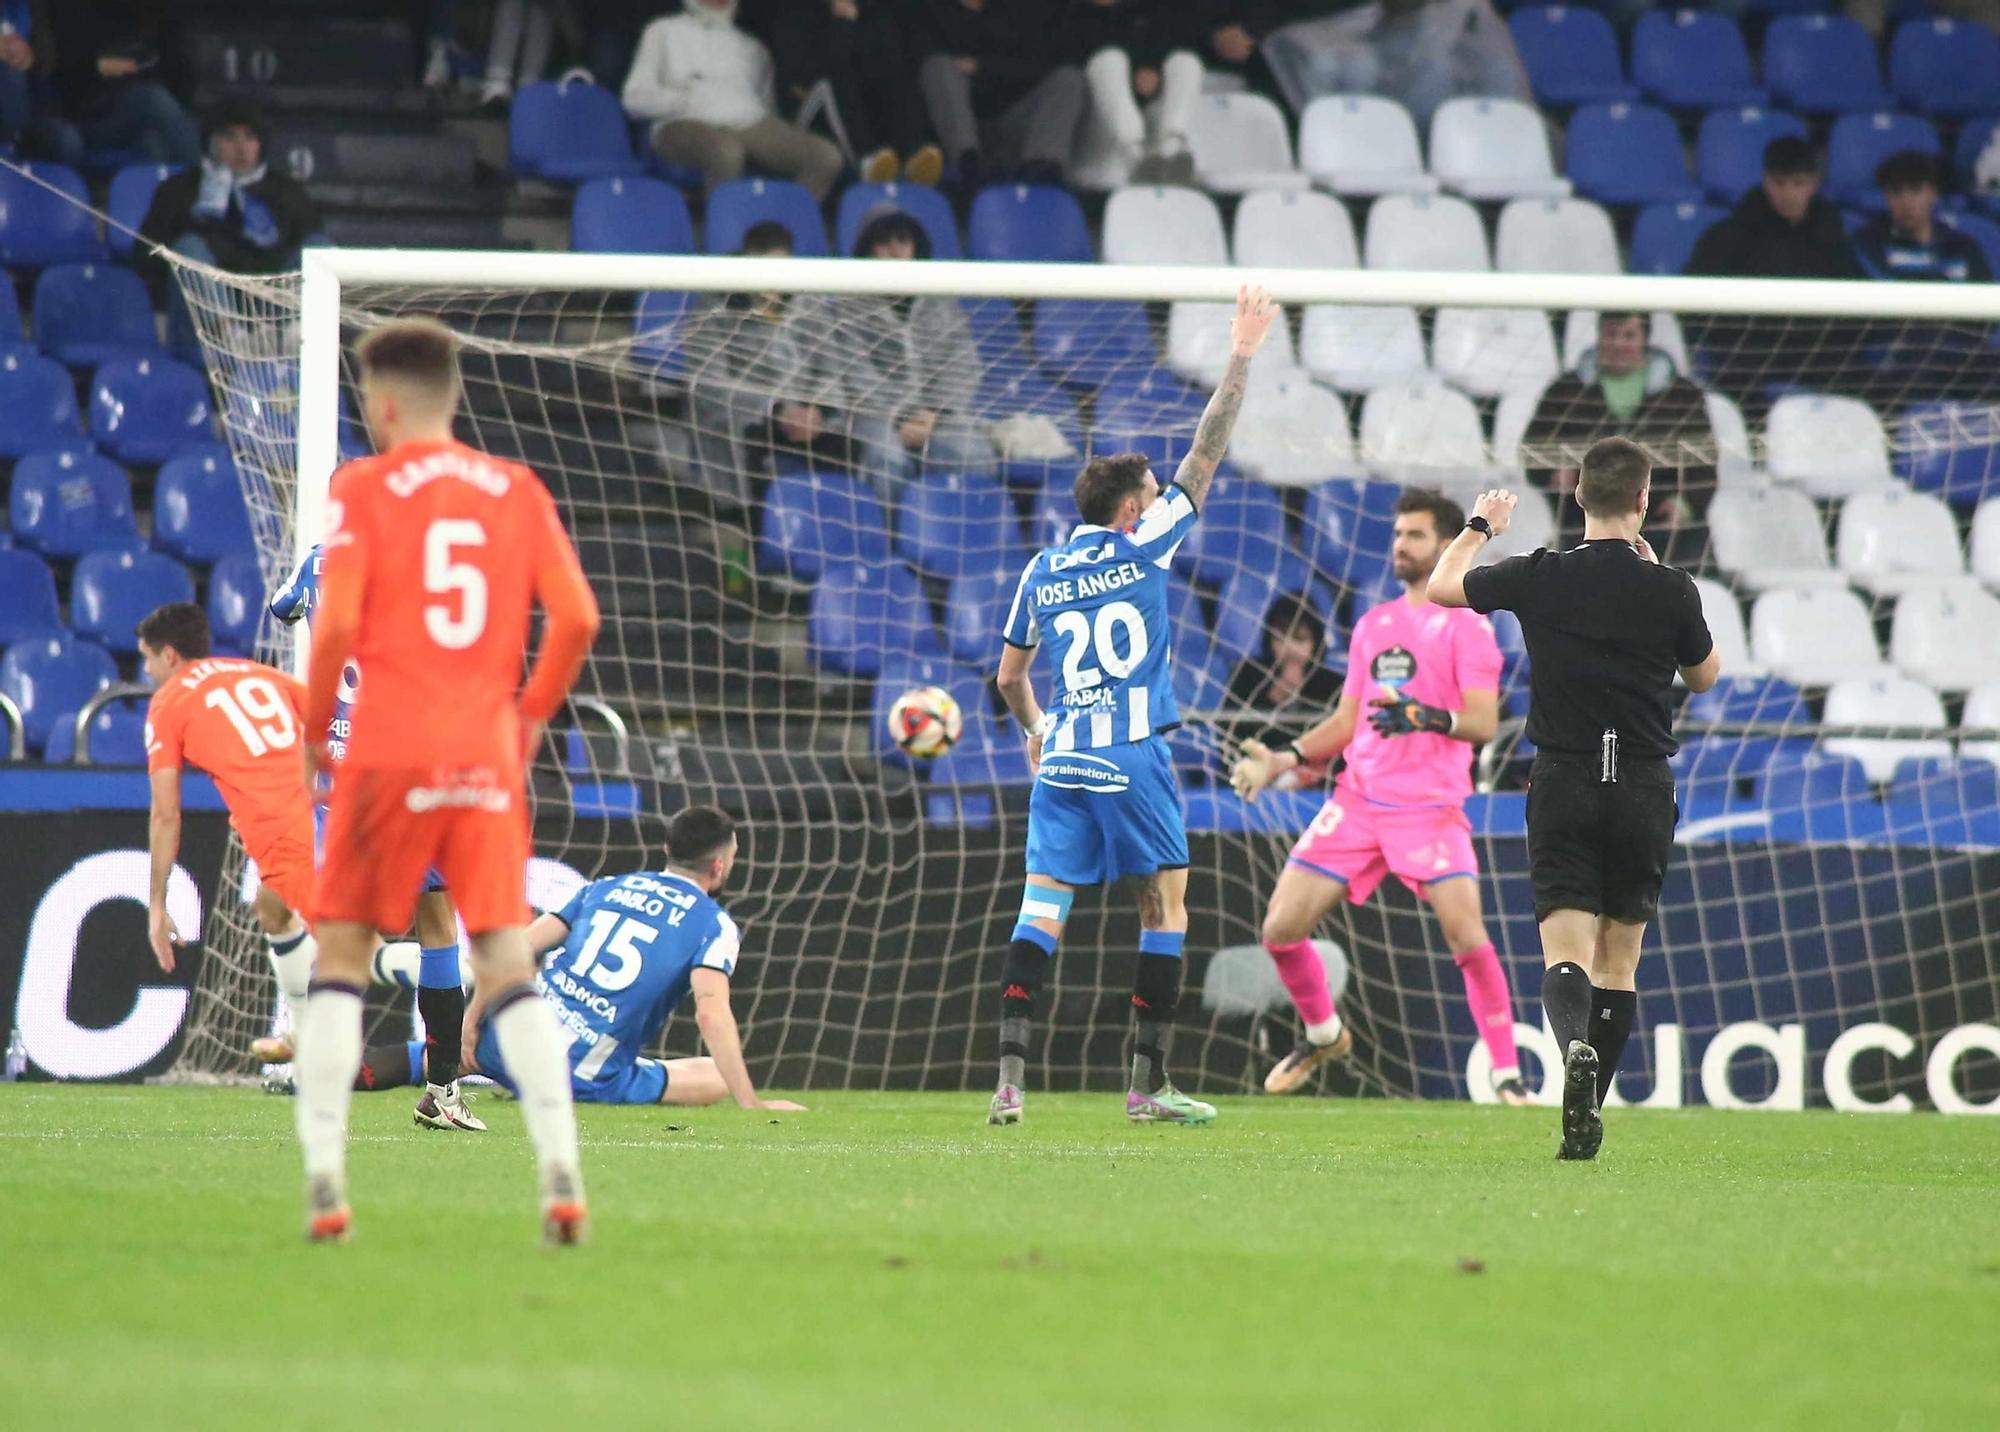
(707, 88)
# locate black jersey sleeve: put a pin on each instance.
(1692, 641)
(1504, 586)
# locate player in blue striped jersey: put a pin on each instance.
(1105, 804)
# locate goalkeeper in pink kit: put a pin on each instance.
(1423, 684)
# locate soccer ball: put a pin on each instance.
(925, 722)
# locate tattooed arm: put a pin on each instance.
(1255, 313)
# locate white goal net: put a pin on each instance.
(801, 488)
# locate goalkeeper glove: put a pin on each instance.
(1400, 716)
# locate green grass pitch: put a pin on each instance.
(887, 1261)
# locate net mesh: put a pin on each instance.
(795, 506)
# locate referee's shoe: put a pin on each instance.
(1583, 1126)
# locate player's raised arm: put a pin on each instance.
(1490, 515)
(725, 1045)
(570, 628)
(1255, 313)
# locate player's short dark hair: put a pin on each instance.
(1447, 517)
(697, 835)
(1615, 472)
(419, 351)
(1907, 169)
(180, 625)
(1790, 155)
(1107, 481)
(766, 236)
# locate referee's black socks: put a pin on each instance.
(1566, 992)
(1611, 1014)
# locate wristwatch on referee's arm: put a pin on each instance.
(1476, 523)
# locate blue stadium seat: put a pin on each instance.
(148, 409)
(1970, 144)
(110, 591)
(1729, 148)
(1086, 345)
(1806, 778)
(1692, 59)
(1161, 429)
(1028, 222)
(928, 207)
(975, 613)
(13, 337)
(1627, 154)
(1724, 770)
(1951, 449)
(1052, 508)
(955, 525)
(198, 511)
(1349, 524)
(131, 196)
(87, 314)
(862, 616)
(1571, 55)
(733, 207)
(1822, 64)
(989, 750)
(1242, 526)
(236, 603)
(117, 735)
(1941, 66)
(1981, 230)
(813, 521)
(1859, 142)
(1765, 699)
(63, 503)
(625, 214)
(1017, 392)
(996, 331)
(27, 597)
(39, 401)
(568, 131)
(656, 322)
(1664, 235)
(50, 675)
(38, 228)
(1246, 600)
(1946, 783)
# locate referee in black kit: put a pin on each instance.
(1606, 628)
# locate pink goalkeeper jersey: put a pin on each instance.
(1426, 653)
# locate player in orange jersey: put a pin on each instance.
(434, 557)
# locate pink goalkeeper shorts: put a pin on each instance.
(1360, 843)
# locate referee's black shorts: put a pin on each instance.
(1599, 846)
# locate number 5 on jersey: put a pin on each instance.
(446, 576)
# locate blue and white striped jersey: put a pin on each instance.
(1102, 597)
(294, 603)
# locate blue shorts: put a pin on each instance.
(643, 1081)
(433, 882)
(1103, 815)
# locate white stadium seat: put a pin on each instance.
(1947, 635)
(1494, 149)
(1241, 145)
(1511, 417)
(1488, 351)
(1883, 701)
(1769, 537)
(1357, 348)
(1555, 236)
(1362, 144)
(1422, 434)
(1732, 438)
(1982, 713)
(1425, 231)
(1300, 228)
(1814, 636)
(1663, 333)
(1157, 224)
(1198, 343)
(1890, 541)
(1533, 524)
(1986, 543)
(1725, 624)
(1292, 433)
(1832, 447)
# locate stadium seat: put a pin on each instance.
(656, 321)
(110, 591)
(1294, 229)
(27, 597)
(148, 409)
(1814, 636)
(47, 225)
(1822, 64)
(1831, 447)
(815, 521)
(1729, 772)
(1555, 236)
(198, 511)
(1860, 142)
(1883, 701)
(1664, 235)
(996, 331)
(1415, 432)
(1163, 224)
(1663, 335)
(1985, 543)
(1362, 145)
(1028, 223)
(1892, 540)
(1571, 55)
(1085, 344)
(1943, 66)
(975, 611)
(1494, 149)
(1732, 439)
(1945, 635)
(1198, 342)
(1241, 145)
(1692, 59)
(1981, 713)
(1946, 783)
(63, 503)
(735, 205)
(1355, 349)
(1348, 528)
(130, 197)
(1972, 141)
(40, 403)
(1512, 414)
(989, 750)
(1981, 230)
(236, 602)
(1729, 148)
(1821, 779)
(1628, 154)
(1533, 524)
(1242, 526)
(1020, 391)
(954, 525)
(1159, 427)
(930, 209)
(1292, 433)
(1425, 231)
(1487, 351)
(1769, 538)
(1725, 625)
(117, 735)
(50, 675)
(630, 214)
(862, 616)
(568, 131)
(1747, 697)
(87, 314)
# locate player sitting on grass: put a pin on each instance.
(1430, 678)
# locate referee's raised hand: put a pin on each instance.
(1496, 505)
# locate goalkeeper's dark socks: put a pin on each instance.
(443, 1010)
(1566, 992)
(1612, 1012)
(1156, 996)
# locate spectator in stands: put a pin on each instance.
(859, 49)
(1230, 32)
(1908, 242)
(706, 87)
(1781, 229)
(109, 68)
(517, 48)
(1287, 683)
(1625, 387)
(28, 117)
(231, 210)
(1135, 51)
(1002, 100)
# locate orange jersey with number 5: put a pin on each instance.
(239, 721)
